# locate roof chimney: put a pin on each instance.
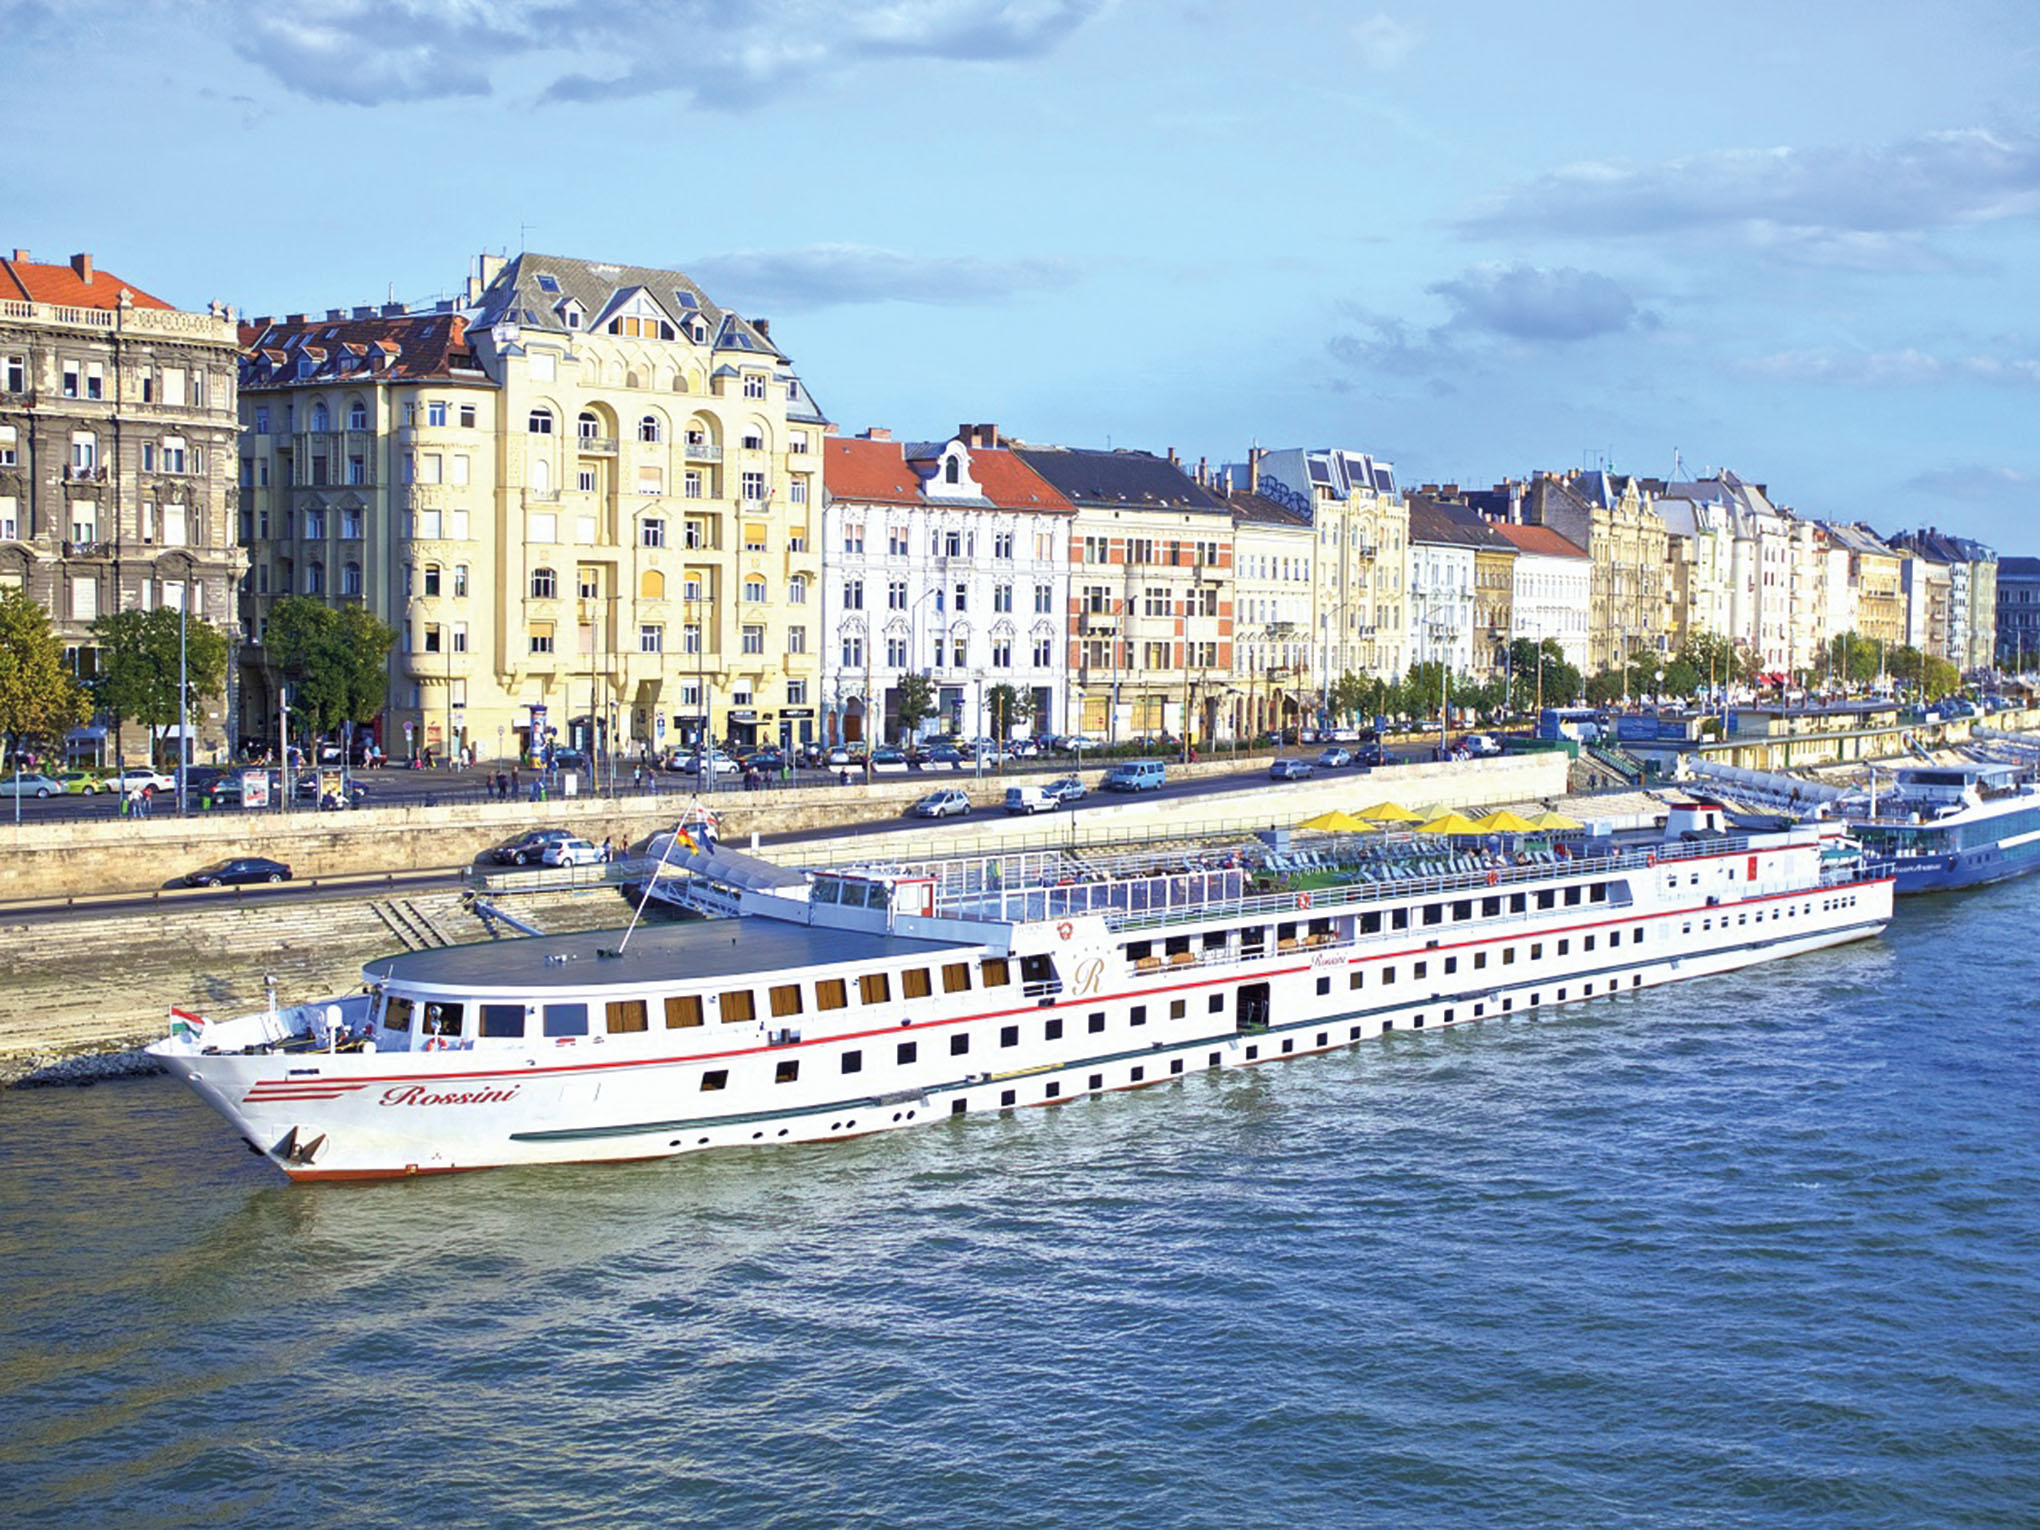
(988, 436)
(878, 433)
(764, 328)
(82, 264)
(21, 257)
(1253, 470)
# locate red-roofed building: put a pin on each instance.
(116, 462)
(1554, 589)
(948, 559)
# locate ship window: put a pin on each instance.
(1370, 922)
(909, 1052)
(397, 1015)
(1036, 969)
(1137, 1015)
(1097, 1081)
(627, 1015)
(959, 1044)
(1399, 919)
(1536, 950)
(1006, 1096)
(1095, 1024)
(956, 977)
(1451, 964)
(1463, 909)
(1009, 1035)
(682, 1009)
(502, 1020)
(992, 972)
(1490, 907)
(1434, 913)
(1051, 1030)
(1176, 1009)
(1137, 1074)
(1564, 947)
(1139, 950)
(715, 1078)
(1175, 1065)
(874, 988)
(787, 1072)
(1421, 971)
(853, 1062)
(441, 1019)
(1508, 956)
(1517, 903)
(1572, 897)
(1479, 960)
(1546, 898)
(1214, 940)
(1353, 979)
(566, 1020)
(1324, 985)
(785, 999)
(831, 994)
(1598, 893)
(1388, 974)
(1216, 1004)
(738, 1006)
(1587, 944)
(914, 983)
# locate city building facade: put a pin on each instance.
(1273, 550)
(2018, 612)
(1554, 590)
(117, 488)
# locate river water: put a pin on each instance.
(1761, 1250)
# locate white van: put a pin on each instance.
(1135, 776)
(1030, 799)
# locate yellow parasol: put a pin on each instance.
(1389, 812)
(1336, 822)
(1502, 821)
(1556, 823)
(1452, 824)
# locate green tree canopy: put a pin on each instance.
(335, 661)
(1009, 706)
(913, 700)
(40, 699)
(138, 665)
(1854, 658)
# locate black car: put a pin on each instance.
(528, 848)
(237, 870)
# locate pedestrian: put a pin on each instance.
(513, 781)
(637, 778)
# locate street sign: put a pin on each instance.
(662, 725)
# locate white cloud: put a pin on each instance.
(1900, 368)
(1538, 304)
(1384, 43)
(834, 275)
(1856, 205)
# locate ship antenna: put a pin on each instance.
(645, 896)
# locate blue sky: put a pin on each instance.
(1475, 238)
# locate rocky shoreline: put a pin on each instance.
(53, 1070)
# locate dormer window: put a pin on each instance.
(572, 314)
(548, 284)
(951, 471)
(640, 318)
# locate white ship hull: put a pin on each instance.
(1121, 1011)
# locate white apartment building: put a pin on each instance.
(1554, 589)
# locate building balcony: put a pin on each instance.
(84, 475)
(91, 549)
(702, 451)
(597, 446)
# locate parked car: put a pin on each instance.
(1368, 756)
(237, 870)
(1135, 776)
(1068, 789)
(1335, 758)
(840, 756)
(1481, 745)
(1031, 799)
(30, 783)
(718, 764)
(528, 847)
(1290, 770)
(83, 783)
(1073, 743)
(943, 757)
(887, 761)
(140, 778)
(1025, 748)
(944, 804)
(571, 851)
(771, 760)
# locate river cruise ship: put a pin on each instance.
(1947, 826)
(833, 1003)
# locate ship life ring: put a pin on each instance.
(1494, 878)
(1303, 900)
(436, 1044)
(1065, 930)
(1650, 859)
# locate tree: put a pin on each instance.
(1853, 658)
(138, 666)
(914, 699)
(1010, 706)
(1681, 679)
(1605, 687)
(40, 700)
(1720, 660)
(336, 661)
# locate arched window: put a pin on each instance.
(589, 425)
(541, 422)
(796, 590)
(315, 578)
(950, 474)
(350, 579)
(357, 415)
(432, 579)
(649, 429)
(652, 585)
(321, 420)
(754, 438)
(545, 584)
(754, 590)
